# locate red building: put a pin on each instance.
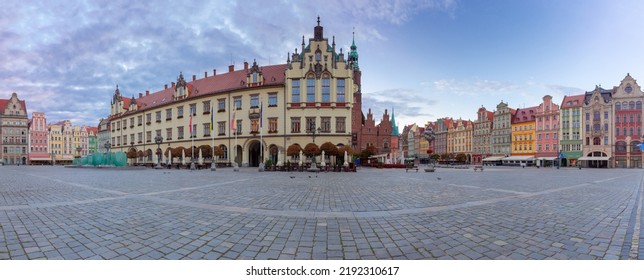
(38, 140)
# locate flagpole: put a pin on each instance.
(234, 128)
(261, 131)
(192, 135)
(213, 166)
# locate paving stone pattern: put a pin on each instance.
(502, 213)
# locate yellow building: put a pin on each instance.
(523, 137)
(307, 100)
(459, 138)
(61, 142)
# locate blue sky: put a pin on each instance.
(426, 59)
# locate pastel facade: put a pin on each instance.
(547, 132)
(38, 139)
(14, 131)
(502, 130)
(308, 99)
(460, 138)
(523, 137)
(597, 112)
(61, 142)
(627, 125)
(570, 141)
(482, 135)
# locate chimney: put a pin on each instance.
(166, 86)
(205, 74)
(194, 78)
(172, 84)
(231, 68)
(147, 92)
(214, 72)
(245, 65)
(140, 94)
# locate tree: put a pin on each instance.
(368, 151)
(218, 151)
(206, 151)
(131, 153)
(461, 157)
(176, 152)
(348, 149)
(329, 149)
(311, 149)
(293, 150)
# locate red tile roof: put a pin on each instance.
(525, 114)
(572, 99)
(273, 75)
(4, 102)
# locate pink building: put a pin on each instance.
(38, 140)
(547, 119)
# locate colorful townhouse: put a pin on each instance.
(523, 138)
(570, 141)
(547, 132)
(39, 140)
(482, 135)
(627, 105)
(501, 133)
(597, 112)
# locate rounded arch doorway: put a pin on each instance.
(254, 153)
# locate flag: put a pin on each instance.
(232, 122)
(190, 125)
(212, 120)
(261, 118)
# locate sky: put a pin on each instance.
(425, 59)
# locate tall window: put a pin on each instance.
(180, 111)
(148, 136)
(225, 150)
(254, 101)
(238, 102)
(239, 127)
(339, 90)
(221, 128)
(139, 137)
(295, 90)
(140, 120)
(272, 100)
(310, 124)
(340, 126)
(206, 129)
(168, 134)
(148, 118)
(295, 125)
(326, 124)
(180, 132)
(310, 89)
(272, 125)
(168, 114)
(206, 106)
(221, 105)
(326, 89)
(158, 116)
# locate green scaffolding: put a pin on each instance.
(102, 159)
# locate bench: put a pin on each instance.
(479, 167)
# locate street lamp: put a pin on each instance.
(313, 131)
(158, 140)
(107, 146)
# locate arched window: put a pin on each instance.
(620, 147)
(597, 141)
(310, 89)
(326, 89)
(638, 105)
(631, 105)
(618, 106)
(624, 105)
(635, 146)
(225, 150)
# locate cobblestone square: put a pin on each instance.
(502, 213)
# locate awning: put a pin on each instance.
(593, 158)
(40, 159)
(519, 158)
(547, 158)
(493, 158)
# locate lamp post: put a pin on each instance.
(313, 131)
(107, 146)
(158, 140)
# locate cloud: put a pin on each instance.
(409, 105)
(66, 58)
(471, 88)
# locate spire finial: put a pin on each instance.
(318, 20)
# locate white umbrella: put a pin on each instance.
(301, 161)
(323, 162)
(346, 156)
(200, 157)
(183, 157)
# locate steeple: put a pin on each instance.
(353, 54)
(394, 127)
(318, 32)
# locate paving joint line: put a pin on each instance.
(635, 240)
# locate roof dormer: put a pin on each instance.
(254, 77)
(181, 89)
